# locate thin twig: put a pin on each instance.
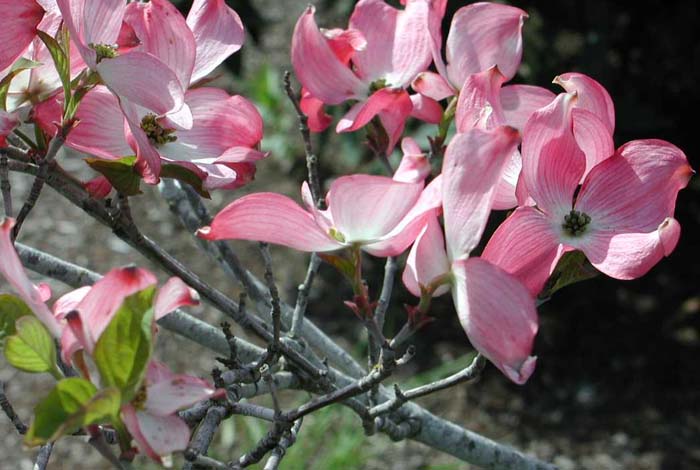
(253, 410)
(5, 185)
(10, 411)
(390, 269)
(265, 445)
(202, 461)
(199, 444)
(276, 310)
(287, 441)
(42, 458)
(99, 443)
(303, 296)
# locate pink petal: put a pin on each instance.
(166, 397)
(526, 245)
(498, 314)
(319, 120)
(437, 13)
(592, 96)
(144, 80)
(426, 109)
(174, 294)
(479, 103)
(106, 296)
(241, 154)
(483, 35)
(8, 122)
(270, 218)
(156, 436)
(520, 101)
(69, 302)
(433, 86)
(98, 187)
(218, 33)
(13, 272)
(317, 67)
(427, 260)
(20, 20)
(345, 43)
(636, 189)
(473, 164)
(148, 159)
(414, 166)
(505, 194)
(553, 164)
(365, 208)
(592, 137)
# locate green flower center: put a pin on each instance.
(575, 223)
(377, 85)
(336, 235)
(104, 51)
(157, 134)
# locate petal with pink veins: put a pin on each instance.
(271, 218)
(483, 35)
(592, 96)
(13, 272)
(156, 436)
(592, 137)
(317, 67)
(498, 314)
(553, 163)
(427, 260)
(473, 163)
(174, 294)
(218, 33)
(433, 86)
(412, 47)
(505, 194)
(479, 103)
(20, 20)
(345, 43)
(520, 101)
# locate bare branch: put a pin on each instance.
(287, 441)
(275, 310)
(303, 296)
(5, 185)
(10, 411)
(199, 444)
(42, 458)
(390, 269)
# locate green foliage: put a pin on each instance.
(72, 404)
(572, 267)
(61, 60)
(124, 348)
(31, 348)
(11, 309)
(182, 174)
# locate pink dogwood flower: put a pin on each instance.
(378, 213)
(621, 218)
(373, 62)
(495, 309)
(20, 19)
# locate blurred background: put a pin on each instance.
(617, 382)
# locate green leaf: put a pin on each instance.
(61, 60)
(11, 308)
(344, 265)
(573, 267)
(18, 67)
(72, 404)
(31, 348)
(124, 348)
(121, 173)
(180, 173)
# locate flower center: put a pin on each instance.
(575, 222)
(377, 85)
(104, 51)
(139, 399)
(336, 235)
(157, 134)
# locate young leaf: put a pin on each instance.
(572, 267)
(31, 348)
(124, 348)
(62, 62)
(180, 173)
(72, 404)
(343, 265)
(11, 309)
(121, 174)
(20, 66)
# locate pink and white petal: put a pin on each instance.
(271, 218)
(106, 296)
(498, 314)
(636, 189)
(144, 80)
(69, 302)
(592, 137)
(165, 397)
(312, 107)
(218, 33)
(13, 272)
(8, 121)
(174, 294)
(426, 109)
(102, 21)
(345, 42)
(412, 47)
(317, 67)
(20, 20)
(158, 372)
(414, 166)
(437, 13)
(240, 155)
(473, 164)
(483, 35)
(427, 259)
(386, 99)
(479, 103)
(553, 163)
(156, 436)
(526, 245)
(98, 187)
(629, 255)
(394, 118)
(163, 32)
(433, 86)
(520, 101)
(365, 208)
(505, 195)
(377, 21)
(592, 96)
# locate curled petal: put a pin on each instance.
(156, 436)
(345, 43)
(427, 259)
(174, 294)
(13, 272)
(474, 162)
(520, 101)
(317, 67)
(312, 107)
(526, 245)
(426, 109)
(20, 20)
(69, 302)
(498, 314)
(414, 166)
(505, 194)
(218, 33)
(592, 96)
(433, 86)
(479, 103)
(553, 163)
(270, 218)
(483, 35)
